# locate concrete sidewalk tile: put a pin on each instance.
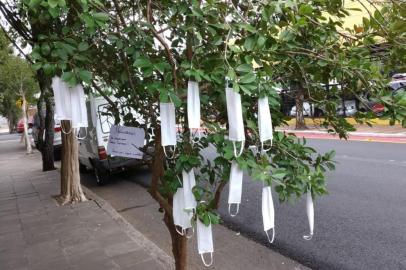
(131, 258)
(146, 265)
(121, 248)
(38, 234)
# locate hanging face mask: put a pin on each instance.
(264, 122)
(234, 194)
(310, 214)
(193, 106)
(204, 241)
(268, 212)
(235, 121)
(189, 182)
(79, 112)
(168, 126)
(181, 218)
(62, 99)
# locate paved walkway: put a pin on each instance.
(36, 233)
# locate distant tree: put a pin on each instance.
(17, 83)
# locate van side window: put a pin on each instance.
(105, 118)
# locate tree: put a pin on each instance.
(17, 83)
(387, 27)
(145, 53)
(22, 30)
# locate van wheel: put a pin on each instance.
(101, 177)
(82, 168)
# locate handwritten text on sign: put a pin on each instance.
(126, 141)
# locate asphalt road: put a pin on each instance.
(360, 225)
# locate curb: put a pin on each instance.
(157, 253)
(352, 136)
(319, 132)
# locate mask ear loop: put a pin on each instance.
(310, 235)
(265, 150)
(273, 229)
(64, 132)
(211, 256)
(204, 261)
(237, 209)
(173, 153)
(181, 233)
(190, 235)
(235, 149)
(273, 235)
(81, 138)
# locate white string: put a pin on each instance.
(241, 150)
(204, 261)
(273, 235)
(64, 132)
(173, 154)
(237, 209)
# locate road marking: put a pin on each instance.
(7, 141)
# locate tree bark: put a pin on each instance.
(299, 99)
(71, 190)
(179, 244)
(11, 122)
(47, 124)
(47, 150)
(24, 109)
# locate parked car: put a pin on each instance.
(93, 144)
(350, 108)
(395, 86)
(20, 124)
(57, 136)
(308, 109)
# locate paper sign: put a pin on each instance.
(126, 141)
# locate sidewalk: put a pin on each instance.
(36, 233)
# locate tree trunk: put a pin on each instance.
(25, 134)
(46, 119)
(179, 244)
(71, 190)
(299, 99)
(10, 122)
(47, 149)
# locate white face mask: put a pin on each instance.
(62, 99)
(168, 125)
(264, 122)
(193, 105)
(235, 121)
(204, 241)
(268, 212)
(79, 111)
(234, 194)
(181, 218)
(188, 183)
(310, 214)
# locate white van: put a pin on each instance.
(93, 143)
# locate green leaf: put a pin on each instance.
(101, 16)
(244, 68)
(175, 99)
(85, 76)
(248, 78)
(249, 43)
(83, 46)
(142, 62)
(53, 3)
(69, 77)
(305, 10)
